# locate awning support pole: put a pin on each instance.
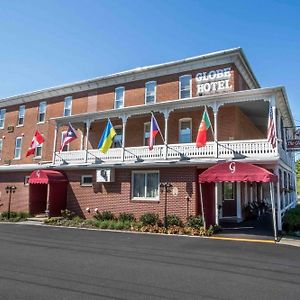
(202, 207)
(273, 210)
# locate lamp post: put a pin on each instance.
(10, 189)
(167, 188)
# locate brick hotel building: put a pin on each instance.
(127, 178)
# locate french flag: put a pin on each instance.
(154, 129)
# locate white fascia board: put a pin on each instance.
(22, 167)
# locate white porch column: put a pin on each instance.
(124, 121)
(86, 142)
(166, 116)
(55, 141)
(272, 101)
(215, 107)
(279, 208)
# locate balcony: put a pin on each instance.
(258, 149)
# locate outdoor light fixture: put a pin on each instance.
(166, 187)
(10, 189)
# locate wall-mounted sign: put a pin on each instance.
(214, 81)
(292, 138)
(10, 129)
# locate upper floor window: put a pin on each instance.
(119, 97)
(147, 133)
(42, 112)
(185, 131)
(1, 147)
(2, 117)
(18, 148)
(21, 115)
(68, 106)
(38, 150)
(117, 143)
(150, 92)
(185, 86)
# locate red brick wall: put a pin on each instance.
(116, 196)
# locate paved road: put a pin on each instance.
(38, 262)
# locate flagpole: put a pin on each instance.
(158, 127)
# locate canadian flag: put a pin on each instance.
(36, 140)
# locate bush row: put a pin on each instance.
(291, 220)
(14, 216)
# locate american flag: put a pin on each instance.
(271, 129)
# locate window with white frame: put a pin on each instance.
(68, 106)
(185, 131)
(150, 92)
(38, 151)
(119, 97)
(18, 148)
(185, 86)
(145, 185)
(21, 115)
(86, 180)
(42, 112)
(66, 147)
(2, 117)
(26, 180)
(147, 133)
(1, 147)
(117, 142)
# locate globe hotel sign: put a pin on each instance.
(213, 81)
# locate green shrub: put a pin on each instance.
(195, 221)
(291, 219)
(149, 219)
(105, 215)
(14, 216)
(126, 217)
(67, 214)
(104, 224)
(173, 220)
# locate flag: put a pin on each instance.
(36, 141)
(107, 137)
(154, 129)
(271, 135)
(68, 137)
(204, 125)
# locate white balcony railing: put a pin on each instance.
(224, 149)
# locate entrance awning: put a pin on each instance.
(236, 171)
(47, 176)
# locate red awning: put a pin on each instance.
(46, 176)
(236, 171)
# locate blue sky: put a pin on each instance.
(48, 43)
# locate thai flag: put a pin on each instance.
(154, 129)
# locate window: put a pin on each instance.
(185, 83)
(2, 117)
(66, 147)
(229, 190)
(150, 92)
(145, 185)
(1, 147)
(68, 106)
(147, 134)
(18, 148)
(117, 143)
(185, 131)
(42, 112)
(119, 97)
(87, 180)
(26, 179)
(21, 115)
(38, 151)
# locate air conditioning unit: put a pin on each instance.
(105, 175)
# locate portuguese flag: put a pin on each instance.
(204, 125)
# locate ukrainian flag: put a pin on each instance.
(107, 137)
